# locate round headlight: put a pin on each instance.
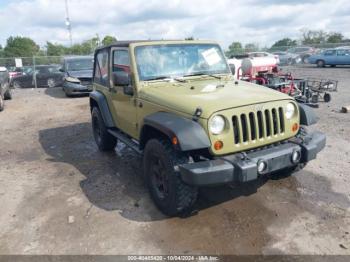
(217, 125)
(290, 109)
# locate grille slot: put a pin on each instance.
(258, 125)
(235, 129)
(275, 121)
(252, 126)
(280, 111)
(244, 128)
(268, 122)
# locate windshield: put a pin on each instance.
(80, 64)
(178, 60)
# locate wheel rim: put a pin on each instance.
(51, 82)
(159, 178)
(97, 130)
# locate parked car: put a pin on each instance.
(264, 54)
(15, 71)
(286, 58)
(78, 75)
(46, 76)
(5, 91)
(303, 51)
(332, 57)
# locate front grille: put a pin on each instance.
(85, 81)
(258, 125)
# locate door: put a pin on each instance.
(330, 57)
(42, 76)
(343, 57)
(25, 80)
(123, 101)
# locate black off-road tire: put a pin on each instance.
(177, 197)
(104, 140)
(2, 103)
(8, 94)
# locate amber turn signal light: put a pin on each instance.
(174, 140)
(295, 127)
(218, 145)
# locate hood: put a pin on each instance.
(211, 95)
(79, 74)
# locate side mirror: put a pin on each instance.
(233, 69)
(121, 78)
(61, 69)
(128, 90)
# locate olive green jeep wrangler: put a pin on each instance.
(177, 103)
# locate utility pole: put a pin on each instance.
(69, 28)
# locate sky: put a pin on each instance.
(247, 21)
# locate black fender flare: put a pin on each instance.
(190, 134)
(101, 101)
(307, 115)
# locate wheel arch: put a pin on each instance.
(189, 134)
(321, 60)
(97, 99)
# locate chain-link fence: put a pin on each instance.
(33, 72)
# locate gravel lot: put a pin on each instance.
(60, 195)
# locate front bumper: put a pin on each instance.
(243, 167)
(75, 88)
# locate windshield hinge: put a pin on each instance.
(197, 114)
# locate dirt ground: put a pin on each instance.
(60, 195)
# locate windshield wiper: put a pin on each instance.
(165, 78)
(203, 74)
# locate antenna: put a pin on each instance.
(69, 28)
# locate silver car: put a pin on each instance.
(286, 58)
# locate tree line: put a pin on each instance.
(26, 47)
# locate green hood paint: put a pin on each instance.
(186, 97)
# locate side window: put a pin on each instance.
(42, 70)
(340, 52)
(101, 68)
(329, 52)
(53, 69)
(121, 61)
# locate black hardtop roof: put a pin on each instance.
(126, 43)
